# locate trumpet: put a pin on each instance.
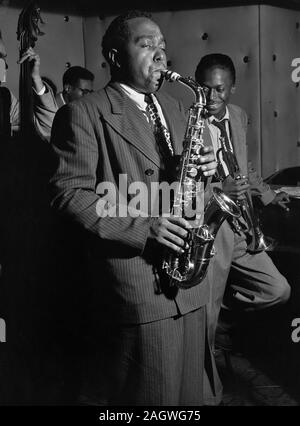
(257, 241)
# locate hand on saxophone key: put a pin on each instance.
(235, 188)
(171, 232)
(207, 161)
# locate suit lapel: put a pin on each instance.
(130, 123)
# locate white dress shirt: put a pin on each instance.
(139, 99)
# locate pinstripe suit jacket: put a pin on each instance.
(96, 139)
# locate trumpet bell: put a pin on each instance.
(261, 243)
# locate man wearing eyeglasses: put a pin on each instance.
(77, 82)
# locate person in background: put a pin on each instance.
(10, 122)
(43, 114)
(253, 281)
(77, 82)
(9, 106)
(145, 340)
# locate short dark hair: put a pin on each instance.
(73, 74)
(117, 32)
(214, 60)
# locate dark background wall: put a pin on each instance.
(262, 38)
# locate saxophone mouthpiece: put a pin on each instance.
(164, 74)
(170, 75)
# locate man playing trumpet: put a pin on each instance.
(253, 280)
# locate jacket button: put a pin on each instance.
(149, 172)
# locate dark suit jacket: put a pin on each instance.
(96, 139)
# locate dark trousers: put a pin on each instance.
(159, 363)
(240, 280)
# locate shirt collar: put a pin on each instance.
(137, 97)
(212, 117)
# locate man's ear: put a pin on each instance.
(232, 90)
(114, 57)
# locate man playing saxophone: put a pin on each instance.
(145, 343)
(253, 280)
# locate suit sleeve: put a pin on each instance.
(257, 186)
(74, 182)
(45, 108)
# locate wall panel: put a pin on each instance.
(280, 96)
(191, 34)
(251, 35)
(93, 30)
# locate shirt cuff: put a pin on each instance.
(268, 196)
(41, 92)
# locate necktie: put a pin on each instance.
(161, 133)
(222, 169)
(222, 127)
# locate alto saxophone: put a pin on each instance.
(257, 242)
(189, 268)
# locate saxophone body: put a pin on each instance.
(257, 242)
(189, 268)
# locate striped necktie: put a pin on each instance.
(222, 127)
(161, 133)
(223, 168)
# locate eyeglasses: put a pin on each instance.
(84, 91)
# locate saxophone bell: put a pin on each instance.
(190, 268)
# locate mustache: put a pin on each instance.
(160, 69)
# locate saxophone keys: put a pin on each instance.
(213, 251)
(193, 171)
(196, 150)
(195, 159)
